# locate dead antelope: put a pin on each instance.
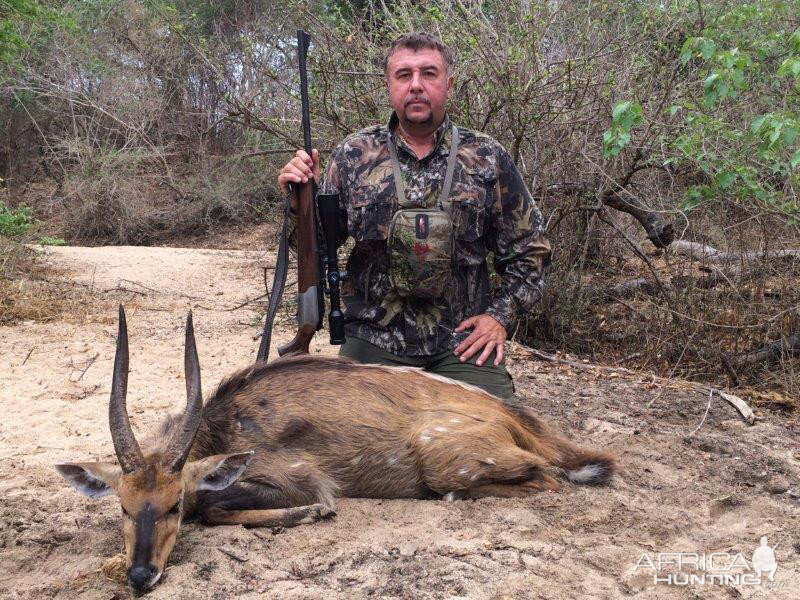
(276, 443)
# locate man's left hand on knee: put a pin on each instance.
(487, 334)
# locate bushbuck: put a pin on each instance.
(276, 443)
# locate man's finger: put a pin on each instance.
(487, 350)
(287, 177)
(303, 166)
(466, 343)
(477, 345)
(303, 155)
(499, 357)
(295, 171)
(465, 324)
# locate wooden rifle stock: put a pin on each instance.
(308, 290)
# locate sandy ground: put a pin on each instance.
(717, 491)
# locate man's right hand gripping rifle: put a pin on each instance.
(299, 170)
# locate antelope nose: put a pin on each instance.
(140, 576)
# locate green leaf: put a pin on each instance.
(795, 160)
(794, 41)
(608, 146)
(693, 198)
(789, 134)
(711, 80)
(686, 50)
(619, 110)
(684, 144)
(724, 179)
(790, 66)
(707, 48)
(775, 133)
(758, 122)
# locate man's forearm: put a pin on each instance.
(515, 295)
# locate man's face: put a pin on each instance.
(418, 85)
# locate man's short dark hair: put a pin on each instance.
(417, 40)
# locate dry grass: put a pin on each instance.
(33, 291)
(685, 330)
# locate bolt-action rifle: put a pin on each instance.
(310, 263)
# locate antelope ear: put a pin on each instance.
(94, 480)
(215, 472)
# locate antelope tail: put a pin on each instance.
(580, 465)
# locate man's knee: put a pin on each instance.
(494, 380)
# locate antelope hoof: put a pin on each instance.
(316, 512)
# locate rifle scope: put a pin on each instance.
(328, 210)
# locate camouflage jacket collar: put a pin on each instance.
(442, 137)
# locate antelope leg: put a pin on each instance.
(270, 517)
(505, 490)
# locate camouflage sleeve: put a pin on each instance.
(516, 236)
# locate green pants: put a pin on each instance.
(494, 380)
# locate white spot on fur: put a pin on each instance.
(593, 473)
(297, 464)
(354, 461)
(440, 429)
(463, 471)
(449, 497)
(424, 436)
(391, 460)
(489, 460)
(473, 477)
(455, 420)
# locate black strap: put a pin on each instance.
(278, 283)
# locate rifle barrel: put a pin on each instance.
(303, 42)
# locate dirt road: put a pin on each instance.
(717, 491)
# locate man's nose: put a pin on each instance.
(139, 576)
(416, 81)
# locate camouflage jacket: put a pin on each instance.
(492, 212)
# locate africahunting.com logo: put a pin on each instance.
(717, 568)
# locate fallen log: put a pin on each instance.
(627, 289)
(731, 274)
(706, 253)
(623, 290)
(772, 352)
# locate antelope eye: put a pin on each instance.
(125, 513)
(175, 509)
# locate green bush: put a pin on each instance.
(17, 222)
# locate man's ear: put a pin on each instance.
(215, 472)
(91, 479)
